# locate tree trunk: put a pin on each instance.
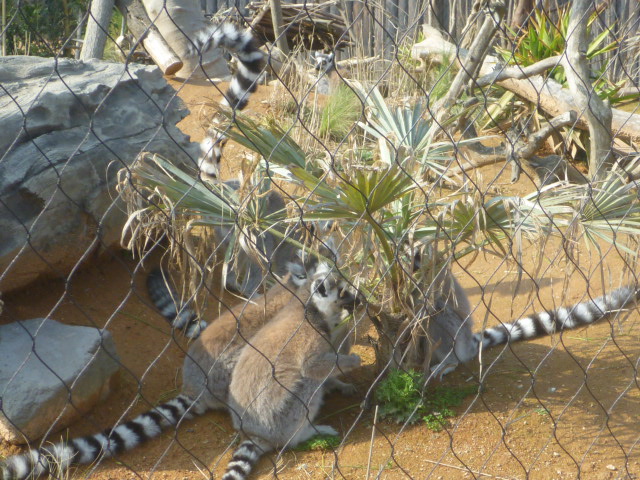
(278, 27)
(95, 37)
(597, 113)
(521, 14)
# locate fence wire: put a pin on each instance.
(415, 256)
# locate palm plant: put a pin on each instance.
(386, 215)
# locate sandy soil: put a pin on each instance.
(549, 409)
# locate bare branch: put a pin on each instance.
(519, 72)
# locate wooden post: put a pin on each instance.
(176, 21)
(276, 18)
(139, 23)
(95, 38)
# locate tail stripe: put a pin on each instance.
(103, 440)
(183, 402)
(251, 58)
(174, 410)
(115, 443)
(583, 313)
(20, 467)
(163, 297)
(88, 449)
(132, 433)
(546, 325)
(240, 466)
(242, 461)
(233, 475)
(536, 325)
(564, 319)
(170, 413)
(149, 423)
(248, 75)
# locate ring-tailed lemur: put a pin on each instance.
(325, 65)
(278, 383)
(251, 63)
(453, 341)
(205, 382)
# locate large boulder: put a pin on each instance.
(50, 374)
(68, 128)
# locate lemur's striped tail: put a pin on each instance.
(244, 46)
(57, 458)
(243, 460)
(165, 299)
(563, 318)
(251, 63)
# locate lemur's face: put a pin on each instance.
(323, 61)
(331, 293)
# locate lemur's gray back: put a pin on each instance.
(245, 274)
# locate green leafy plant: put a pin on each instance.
(402, 398)
(399, 396)
(42, 28)
(340, 113)
(320, 442)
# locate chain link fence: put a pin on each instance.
(416, 257)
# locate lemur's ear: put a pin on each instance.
(296, 268)
(328, 249)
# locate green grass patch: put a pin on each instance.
(320, 442)
(339, 115)
(401, 399)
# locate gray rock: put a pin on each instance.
(50, 374)
(68, 127)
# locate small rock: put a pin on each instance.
(611, 467)
(51, 374)
(552, 389)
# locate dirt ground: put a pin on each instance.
(555, 408)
